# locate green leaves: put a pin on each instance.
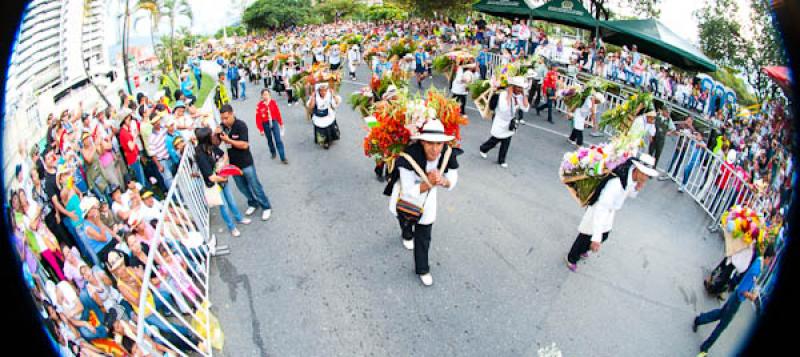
(272, 14)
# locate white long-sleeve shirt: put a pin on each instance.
(408, 189)
(599, 217)
(504, 113)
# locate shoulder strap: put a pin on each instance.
(416, 167)
(446, 159)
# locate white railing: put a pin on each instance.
(612, 100)
(705, 177)
(183, 234)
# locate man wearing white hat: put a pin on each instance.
(587, 111)
(424, 166)
(625, 181)
(645, 127)
(503, 126)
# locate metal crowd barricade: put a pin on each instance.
(704, 176)
(182, 247)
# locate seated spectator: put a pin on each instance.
(80, 311)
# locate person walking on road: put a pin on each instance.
(588, 111)
(549, 92)
(221, 96)
(423, 167)
(233, 133)
(504, 123)
(323, 103)
(353, 58)
(270, 123)
(746, 289)
(627, 180)
(233, 77)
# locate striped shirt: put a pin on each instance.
(157, 144)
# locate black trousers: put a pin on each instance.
(576, 136)
(462, 99)
(582, 245)
(234, 88)
(421, 234)
(58, 229)
(492, 142)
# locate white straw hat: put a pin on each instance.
(646, 164)
(517, 82)
(433, 131)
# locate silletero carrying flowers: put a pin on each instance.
(741, 226)
(582, 170)
(398, 120)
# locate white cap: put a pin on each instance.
(646, 164)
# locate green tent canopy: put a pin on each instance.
(504, 8)
(565, 12)
(656, 40)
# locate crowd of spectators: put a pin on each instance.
(84, 205)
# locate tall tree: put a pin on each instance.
(153, 12)
(275, 14)
(87, 7)
(176, 9)
(720, 33)
(126, 24)
(765, 48)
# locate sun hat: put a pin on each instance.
(433, 131)
(517, 82)
(157, 118)
(391, 91)
(599, 97)
(179, 104)
(646, 165)
(321, 85)
(147, 194)
(87, 203)
(651, 113)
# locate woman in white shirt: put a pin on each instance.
(508, 103)
(353, 58)
(323, 103)
(424, 166)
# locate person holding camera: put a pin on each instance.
(504, 123)
(233, 133)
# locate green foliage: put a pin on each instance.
(201, 93)
(340, 9)
(727, 76)
(427, 8)
(384, 12)
(719, 32)
(276, 14)
(238, 30)
(477, 88)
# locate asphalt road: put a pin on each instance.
(327, 274)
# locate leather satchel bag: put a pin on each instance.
(408, 211)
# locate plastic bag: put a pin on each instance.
(217, 338)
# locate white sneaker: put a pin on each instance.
(680, 189)
(522, 121)
(245, 221)
(266, 214)
(409, 244)
(504, 165)
(249, 210)
(427, 279)
(235, 232)
(483, 154)
(663, 178)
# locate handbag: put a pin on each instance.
(408, 211)
(213, 195)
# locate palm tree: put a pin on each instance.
(153, 8)
(175, 9)
(87, 6)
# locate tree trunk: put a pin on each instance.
(86, 63)
(125, 34)
(172, 45)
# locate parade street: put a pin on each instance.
(327, 274)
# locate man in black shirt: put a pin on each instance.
(233, 132)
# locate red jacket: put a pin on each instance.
(266, 112)
(549, 81)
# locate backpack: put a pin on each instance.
(621, 171)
